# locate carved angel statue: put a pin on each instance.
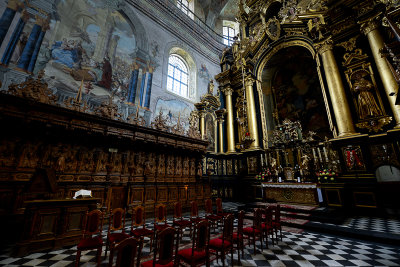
(315, 27)
(367, 106)
(305, 160)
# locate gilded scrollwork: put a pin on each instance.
(35, 89)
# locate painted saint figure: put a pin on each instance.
(106, 79)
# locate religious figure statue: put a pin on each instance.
(367, 106)
(305, 161)
(211, 87)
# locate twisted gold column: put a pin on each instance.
(370, 29)
(336, 90)
(251, 112)
(229, 120)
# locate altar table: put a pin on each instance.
(296, 193)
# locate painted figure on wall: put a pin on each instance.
(210, 132)
(86, 40)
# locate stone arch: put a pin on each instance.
(138, 29)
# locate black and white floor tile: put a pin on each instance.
(296, 249)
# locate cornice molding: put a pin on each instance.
(167, 15)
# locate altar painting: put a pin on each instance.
(297, 91)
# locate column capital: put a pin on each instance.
(220, 113)
(41, 21)
(25, 15)
(15, 4)
(369, 25)
(249, 80)
(324, 46)
(227, 90)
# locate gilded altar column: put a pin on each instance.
(202, 124)
(220, 118)
(251, 112)
(229, 119)
(340, 104)
(202, 114)
(370, 29)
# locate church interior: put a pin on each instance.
(199, 133)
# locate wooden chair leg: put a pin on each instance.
(254, 242)
(232, 256)
(223, 256)
(78, 258)
(99, 256)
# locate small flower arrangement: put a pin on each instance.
(263, 175)
(327, 175)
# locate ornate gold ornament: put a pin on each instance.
(316, 27)
(273, 28)
(178, 128)
(193, 131)
(390, 3)
(288, 11)
(136, 119)
(350, 44)
(109, 109)
(324, 46)
(35, 89)
(160, 122)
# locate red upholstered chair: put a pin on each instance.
(126, 252)
(178, 221)
(220, 210)
(266, 226)
(116, 229)
(255, 230)
(160, 217)
(213, 218)
(139, 219)
(194, 212)
(224, 243)
(276, 220)
(198, 254)
(238, 235)
(91, 238)
(164, 247)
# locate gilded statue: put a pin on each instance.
(367, 106)
(211, 87)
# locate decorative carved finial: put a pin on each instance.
(35, 89)
(160, 122)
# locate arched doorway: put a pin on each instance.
(291, 89)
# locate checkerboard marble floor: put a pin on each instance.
(296, 249)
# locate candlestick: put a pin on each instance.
(326, 155)
(319, 155)
(313, 153)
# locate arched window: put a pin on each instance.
(178, 76)
(186, 7)
(228, 34)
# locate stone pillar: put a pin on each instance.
(141, 93)
(229, 120)
(14, 38)
(7, 17)
(113, 48)
(148, 88)
(220, 118)
(340, 104)
(133, 83)
(251, 112)
(370, 29)
(30, 46)
(45, 27)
